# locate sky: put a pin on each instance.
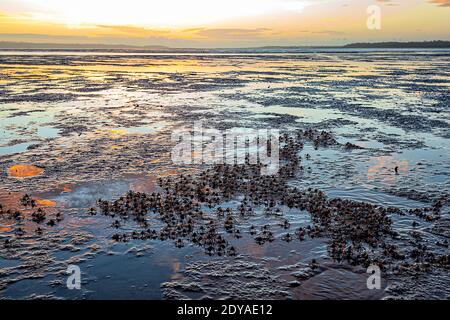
(223, 23)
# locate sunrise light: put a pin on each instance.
(169, 13)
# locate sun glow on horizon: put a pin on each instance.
(168, 13)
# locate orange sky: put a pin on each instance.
(230, 23)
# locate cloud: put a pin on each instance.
(135, 31)
(388, 2)
(441, 3)
(80, 39)
(191, 33)
(32, 37)
(329, 33)
(130, 35)
(231, 33)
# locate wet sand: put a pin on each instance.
(78, 128)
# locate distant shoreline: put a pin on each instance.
(9, 46)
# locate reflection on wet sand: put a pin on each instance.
(45, 203)
(386, 169)
(24, 171)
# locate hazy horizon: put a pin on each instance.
(28, 46)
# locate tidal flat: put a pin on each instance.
(87, 179)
